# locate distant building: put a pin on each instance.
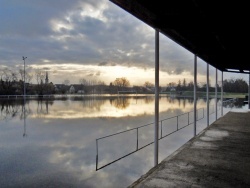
(150, 89)
(61, 88)
(76, 88)
(172, 89)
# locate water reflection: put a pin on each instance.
(24, 120)
(9, 109)
(91, 107)
(120, 103)
(59, 150)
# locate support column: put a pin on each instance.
(195, 90)
(221, 93)
(216, 93)
(156, 135)
(207, 94)
(249, 92)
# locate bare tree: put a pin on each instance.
(83, 83)
(148, 84)
(28, 77)
(66, 82)
(40, 76)
(121, 82)
(8, 75)
(8, 80)
(100, 87)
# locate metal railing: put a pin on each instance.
(229, 101)
(26, 96)
(137, 148)
(161, 123)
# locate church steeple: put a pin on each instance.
(47, 78)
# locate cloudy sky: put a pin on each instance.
(95, 40)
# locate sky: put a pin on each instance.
(94, 40)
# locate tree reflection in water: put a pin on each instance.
(121, 102)
(10, 109)
(149, 100)
(43, 107)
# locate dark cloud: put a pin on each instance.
(107, 64)
(83, 32)
(90, 38)
(28, 18)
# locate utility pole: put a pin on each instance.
(24, 98)
(24, 89)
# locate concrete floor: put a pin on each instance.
(218, 157)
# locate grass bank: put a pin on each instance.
(211, 94)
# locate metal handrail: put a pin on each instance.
(21, 96)
(161, 135)
(137, 140)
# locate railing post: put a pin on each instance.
(161, 128)
(216, 93)
(188, 118)
(96, 154)
(177, 122)
(156, 136)
(137, 141)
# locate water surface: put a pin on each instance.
(52, 143)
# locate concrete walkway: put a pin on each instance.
(218, 157)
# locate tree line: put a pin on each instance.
(12, 83)
(229, 85)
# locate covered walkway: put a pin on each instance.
(218, 157)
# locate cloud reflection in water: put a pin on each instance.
(60, 147)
